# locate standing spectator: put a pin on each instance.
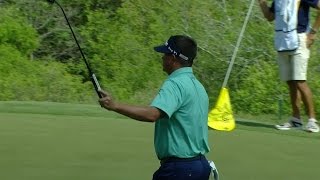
(293, 38)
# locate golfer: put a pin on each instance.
(180, 113)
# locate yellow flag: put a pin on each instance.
(221, 116)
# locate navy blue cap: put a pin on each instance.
(170, 47)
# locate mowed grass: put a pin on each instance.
(56, 141)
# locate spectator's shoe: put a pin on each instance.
(312, 126)
(294, 123)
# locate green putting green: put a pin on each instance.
(51, 141)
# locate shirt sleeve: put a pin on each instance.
(168, 98)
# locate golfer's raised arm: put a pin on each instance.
(145, 114)
(140, 113)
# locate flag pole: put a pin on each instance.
(238, 44)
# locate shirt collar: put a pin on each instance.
(180, 71)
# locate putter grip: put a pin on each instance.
(96, 84)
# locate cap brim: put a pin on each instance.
(162, 49)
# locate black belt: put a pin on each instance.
(177, 159)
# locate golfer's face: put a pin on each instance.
(167, 60)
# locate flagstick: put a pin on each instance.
(237, 45)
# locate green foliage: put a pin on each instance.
(260, 91)
(121, 55)
(24, 80)
(118, 37)
(16, 32)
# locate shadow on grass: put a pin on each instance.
(254, 124)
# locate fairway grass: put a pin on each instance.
(56, 141)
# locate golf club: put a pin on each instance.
(93, 77)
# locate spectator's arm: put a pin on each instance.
(266, 10)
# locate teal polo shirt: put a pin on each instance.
(183, 132)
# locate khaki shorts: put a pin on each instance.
(293, 65)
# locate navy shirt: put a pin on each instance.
(303, 13)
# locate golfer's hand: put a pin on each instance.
(106, 101)
(310, 39)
